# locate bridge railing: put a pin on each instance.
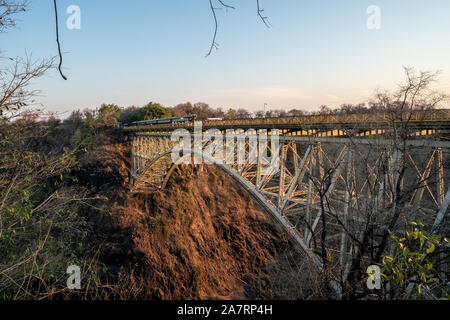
(419, 115)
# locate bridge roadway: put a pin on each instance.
(423, 122)
(347, 170)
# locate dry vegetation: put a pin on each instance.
(205, 238)
(66, 203)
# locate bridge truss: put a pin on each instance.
(326, 191)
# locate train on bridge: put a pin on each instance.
(172, 120)
(433, 119)
(419, 123)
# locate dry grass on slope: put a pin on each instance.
(205, 238)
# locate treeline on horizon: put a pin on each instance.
(112, 114)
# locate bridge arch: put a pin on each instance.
(290, 199)
(165, 171)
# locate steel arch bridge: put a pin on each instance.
(319, 174)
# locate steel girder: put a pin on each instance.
(348, 180)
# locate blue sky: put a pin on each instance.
(316, 52)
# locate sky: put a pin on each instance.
(315, 52)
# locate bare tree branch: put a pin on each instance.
(15, 79)
(260, 14)
(214, 44)
(57, 41)
(8, 9)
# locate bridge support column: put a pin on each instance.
(440, 177)
(345, 228)
(281, 190)
(309, 196)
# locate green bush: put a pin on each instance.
(412, 264)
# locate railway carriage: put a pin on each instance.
(171, 120)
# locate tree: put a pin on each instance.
(202, 110)
(218, 113)
(296, 113)
(324, 110)
(231, 114)
(242, 114)
(16, 73)
(154, 111)
(128, 114)
(183, 109)
(15, 81)
(109, 114)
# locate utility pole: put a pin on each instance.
(265, 105)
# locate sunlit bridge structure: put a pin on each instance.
(345, 168)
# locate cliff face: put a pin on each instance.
(201, 238)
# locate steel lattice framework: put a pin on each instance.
(349, 177)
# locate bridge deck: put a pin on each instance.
(423, 122)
